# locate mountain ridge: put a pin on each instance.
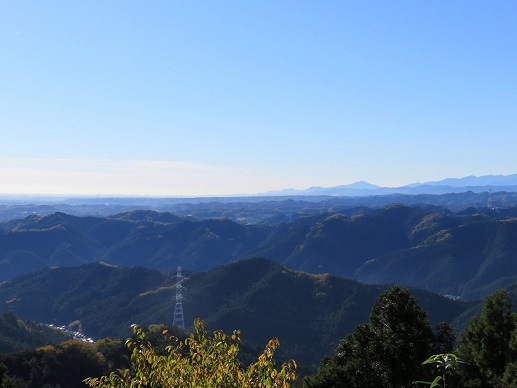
(444, 186)
(468, 254)
(309, 313)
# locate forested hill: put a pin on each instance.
(17, 335)
(308, 313)
(465, 255)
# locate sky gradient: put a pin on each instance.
(170, 98)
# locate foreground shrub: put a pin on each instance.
(198, 361)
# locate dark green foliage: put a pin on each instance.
(386, 352)
(444, 338)
(445, 369)
(89, 293)
(64, 365)
(3, 374)
(488, 346)
(16, 335)
(309, 313)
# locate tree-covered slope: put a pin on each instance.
(151, 239)
(469, 255)
(308, 313)
(339, 244)
(471, 259)
(17, 334)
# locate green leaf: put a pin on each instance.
(435, 382)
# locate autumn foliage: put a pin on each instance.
(200, 360)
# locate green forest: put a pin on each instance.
(397, 347)
(303, 302)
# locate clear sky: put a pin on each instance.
(221, 97)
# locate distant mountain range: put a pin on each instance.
(469, 254)
(445, 186)
(304, 266)
(493, 191)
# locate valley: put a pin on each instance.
(310, 313)
(308, 275)
(468, 254)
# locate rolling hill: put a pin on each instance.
(308, 313)
(469, 255)
(271, 210)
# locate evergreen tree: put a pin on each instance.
(510, 371)
(444, 338)
(489, 346)
(3, 372)
(5, 380)
(386, 352)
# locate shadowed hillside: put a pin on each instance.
(17, 335)
(468, 255)
(471, 259)
(308, 313)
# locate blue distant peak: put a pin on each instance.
(361, 185)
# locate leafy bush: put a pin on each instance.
(446, 363)
(198, 361)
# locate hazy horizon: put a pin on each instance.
(285, 191)
(181, 99)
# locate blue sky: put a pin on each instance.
(229, 97)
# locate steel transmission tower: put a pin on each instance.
(178, 309)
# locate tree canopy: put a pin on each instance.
(489, 345)
(199, 361)
(386, 352)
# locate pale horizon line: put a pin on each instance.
(268, 193)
